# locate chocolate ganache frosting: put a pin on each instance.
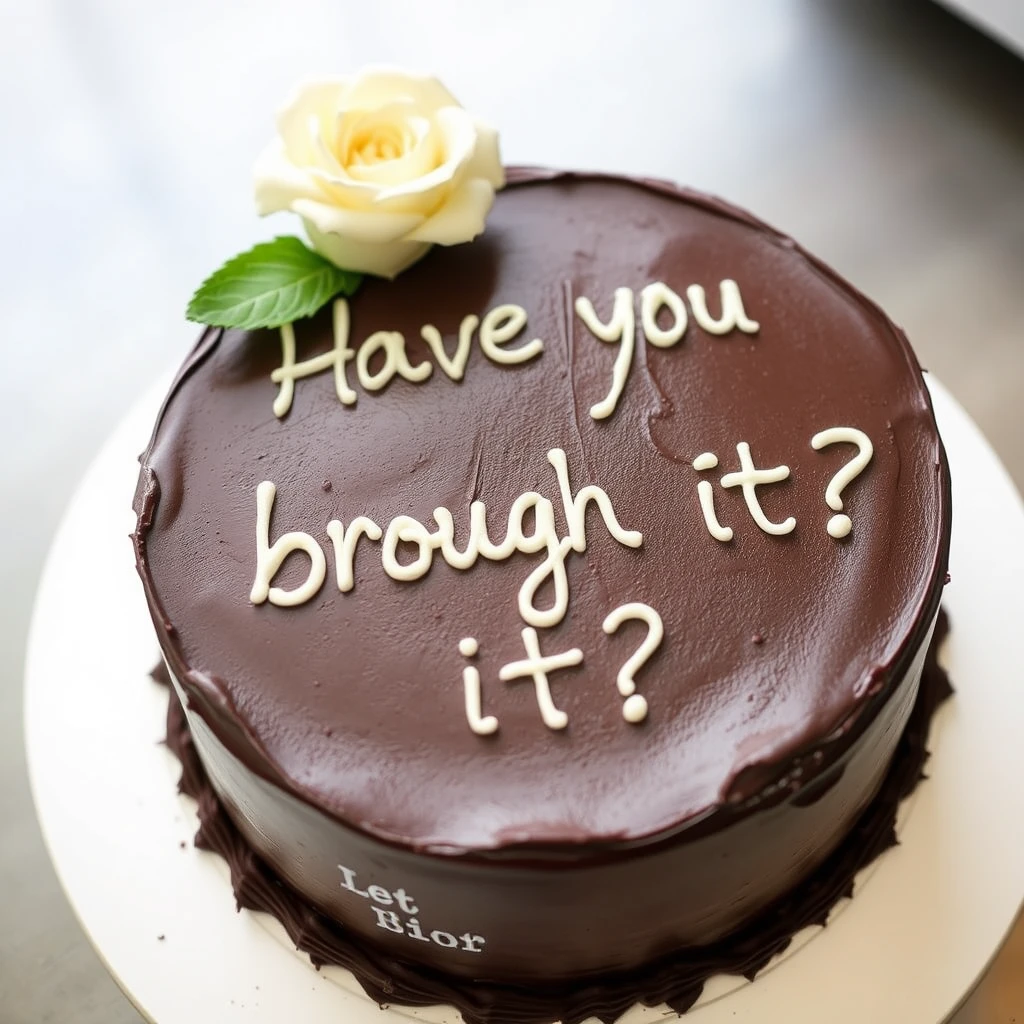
(516, 622)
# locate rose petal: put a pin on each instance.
(323, 149)
(350, 123)
(344, 192)
(378, 85)
(416, 161)
(424, 154)
(384, 260)
(277, 183)
(461, 218)
(456, 133)
(359, 225)
(486, 161)
(420, 197)
(312, 107)
(380, 166)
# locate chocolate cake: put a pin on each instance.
(547, 619)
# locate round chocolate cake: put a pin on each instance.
(556, 608)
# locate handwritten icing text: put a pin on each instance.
(543, 536)
(498, 329)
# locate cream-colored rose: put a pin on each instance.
(380, 167)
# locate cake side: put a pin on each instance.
(339, 730)
(562, 914)
(676, 980)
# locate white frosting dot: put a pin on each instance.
(706, 461)
(839, 526)
(468, 646)
(634, 709)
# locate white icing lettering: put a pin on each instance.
(543, 534)
(345, 542)
(405, 902)
(575, 508)
(634, 709)
(553, 568)
(733, 318)
(388, 920)
(400, 922)
(270, 557)
(404, 529)
(482, 725)
(480, 542)
(839, 526)
(706, 494)
(652, 299)
(379, 895)
(536, 667)
(286, 391)
(289, 371)
(348, 881)
(748, 479)
(340, 322)
(413, 930)
(621, 330)
(500, 326)
(444, 537)
(392, 344)
(455, 367)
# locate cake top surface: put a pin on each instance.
(607, 472)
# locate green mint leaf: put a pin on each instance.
(273, 283)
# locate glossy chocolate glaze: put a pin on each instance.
(677, 979)
(335, 731)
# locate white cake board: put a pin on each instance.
(906, 950)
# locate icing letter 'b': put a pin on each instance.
(270, 557)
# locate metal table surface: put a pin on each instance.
(885, 135)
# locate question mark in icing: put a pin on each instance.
(839, 526)
(634, 710)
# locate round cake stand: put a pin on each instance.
(906, 950)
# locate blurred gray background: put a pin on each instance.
(886, 135)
